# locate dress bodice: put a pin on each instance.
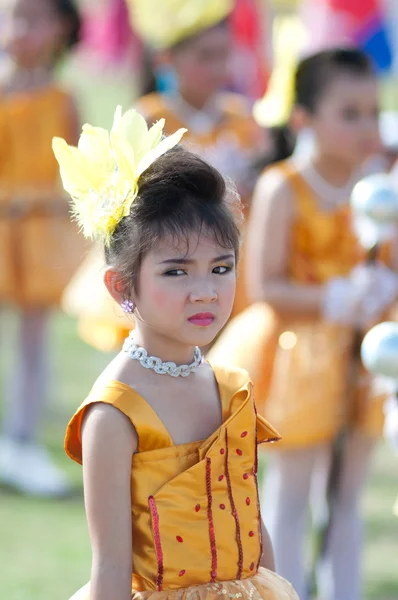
(28, 122)
(191, 501)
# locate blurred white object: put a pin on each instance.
(343, 296)
(380, 350)
(380, 356)
(29, 469)
(305, 143)
(360, 299)
(374, 202)
(378, 287)
(391, 422)
(340, 301)
(389, 129)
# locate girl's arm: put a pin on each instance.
(267, 559)
(109, 442)
(268, 248)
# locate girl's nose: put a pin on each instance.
(204, 293)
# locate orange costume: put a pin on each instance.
(196, 526)
(228, 141)
(39, 250)
(300, 368)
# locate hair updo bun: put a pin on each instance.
(179, 194)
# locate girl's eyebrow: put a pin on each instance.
(187, 261)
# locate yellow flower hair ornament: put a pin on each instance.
(101, 175)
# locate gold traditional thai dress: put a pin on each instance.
(225, 135)
(196, 526)
(300, 368)
(39, 247)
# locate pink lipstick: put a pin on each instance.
(202, 319)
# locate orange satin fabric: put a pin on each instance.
(184, 481)
(39, 246)
(300, 368)
(236, 128)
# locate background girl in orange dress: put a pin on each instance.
(220, 128)
(170, 478)
(38, 247)
(297, 340)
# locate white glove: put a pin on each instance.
(391, 422)
(378, 287)
(341, 301)
(359, 299)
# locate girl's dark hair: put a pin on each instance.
(147, 77)
(313, 75)
(179, 194)
(282, 146)
(68, 11)
(315, 72)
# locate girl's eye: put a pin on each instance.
(221, 270)
(350, 114)
(174, 273)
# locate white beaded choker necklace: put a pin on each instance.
(157, 365)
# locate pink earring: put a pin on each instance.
(128, 306)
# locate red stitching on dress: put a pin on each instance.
(260, 531)
(234, 511)
(158, 544)
(255, 445)
(212, 537)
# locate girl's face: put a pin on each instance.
(33, 32)
(345, 122)
(201, 64)
(186, 291)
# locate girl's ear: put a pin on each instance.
(115, 284)
(300, 119)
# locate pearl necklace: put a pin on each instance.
(156, 364)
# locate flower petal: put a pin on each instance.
(117, 116)
(124, 157)
(165, 145)
(94, 146)
(75, 172)
(155, 134)
(132, 126)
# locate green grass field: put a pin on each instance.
(44, 547)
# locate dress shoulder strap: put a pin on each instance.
(152, 434)
(304, 196)
(236, 388)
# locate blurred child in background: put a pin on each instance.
(301, 259)
(38, 247)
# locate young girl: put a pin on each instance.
(38, 250)
(220, 128)
(170, 477)
(298, 339)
